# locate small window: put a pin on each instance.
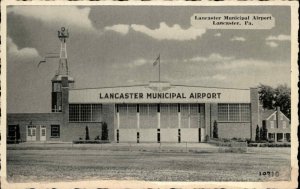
(55, 131)
(272, 124)
(284, 125)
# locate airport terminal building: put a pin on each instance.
(154, 112)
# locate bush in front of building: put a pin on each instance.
(104, 135)
(263, 134)
(89, 142)
(257, 135)
(269, 145)
(206, 139)
(215, 130)
(87, 136)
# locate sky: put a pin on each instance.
(117, 45)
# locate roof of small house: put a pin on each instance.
(266, 114)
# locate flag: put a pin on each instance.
(156, 61)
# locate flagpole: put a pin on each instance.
(159, 67)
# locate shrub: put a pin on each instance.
(206, 138)
(226, 140)
(104, 135)
(215, 130)
(257, 137)
(248, 141)
(87, 136)
(263, 133)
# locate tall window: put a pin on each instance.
(55, 131)
(234, 112)
(85, 112)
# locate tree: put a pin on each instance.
(87, 137)
(263, 133)
(257, 137)
(104, 135)
(276, 97)
(266, 96)
(283, 99)
(215, 130)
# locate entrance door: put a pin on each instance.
(43, 133)
(31, 133)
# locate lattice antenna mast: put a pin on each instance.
(63, 35)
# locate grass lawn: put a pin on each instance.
(79, 164)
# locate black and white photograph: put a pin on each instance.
(154, 93)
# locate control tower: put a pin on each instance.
(61, 80)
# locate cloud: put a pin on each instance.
(132, 64)
(280, 37)
(218, 77)
(238, 39)
(67, 16)
(272, 44)
(243, 63)
(214, 57)
(24, 53)
(138, 62)
(119, 28)
(164, 32)
(217, 35)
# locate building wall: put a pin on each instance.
(278, 123)
(108, 117)
(148, 135)
(127, 135)
(190, 135)
(231, 130)
(255, 114)
(169, 135)
(74, 131)
(36, 119)
(169, 120)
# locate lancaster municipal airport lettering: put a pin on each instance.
(159, 96)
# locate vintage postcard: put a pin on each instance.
(149, 94)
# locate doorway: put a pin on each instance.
(43, 133)
(31, 133)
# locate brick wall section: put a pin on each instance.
(65, 100)
(255, 120)
(74, 131)
(226, 129)
(108, 117)
(231, 130)
(37, 119)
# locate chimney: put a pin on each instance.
(277, 116)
